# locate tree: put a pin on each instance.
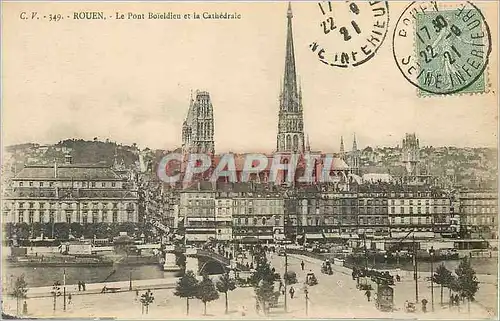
(20, 290)
(467, 280)
(443, 277)
(146, 299)
(263, 282)
(266, 294)
(224, 285)
(206, 292)
(187, 287)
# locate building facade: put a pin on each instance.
(68, 193)
(479, 214)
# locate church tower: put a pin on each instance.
(342, 151)
(290, 123)
(355, 156)
(198, 128)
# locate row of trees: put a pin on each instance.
(205, 290)
(464, 282)
(62, 230)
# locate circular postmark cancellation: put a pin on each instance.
(350, 33)
(443, 48)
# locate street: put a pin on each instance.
(335, 296)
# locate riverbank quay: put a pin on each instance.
(95, 288)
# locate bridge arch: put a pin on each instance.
(212, 267)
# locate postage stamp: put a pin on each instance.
(350, 40)
(450, 51)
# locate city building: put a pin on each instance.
(69, 193)
(479, 214)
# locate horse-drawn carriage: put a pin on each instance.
(326, 268)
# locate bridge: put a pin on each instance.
(209, 261)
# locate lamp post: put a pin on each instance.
(284, 276)
(306, 292)
(431, 252)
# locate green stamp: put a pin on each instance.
(451, 46)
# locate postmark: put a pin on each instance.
(443, 48)
(349, 32)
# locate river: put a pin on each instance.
(46, 276)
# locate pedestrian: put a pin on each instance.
(353, 275)
(79, 286)
(69, 298)
(398, 278)
(25, 307)
(302, 265)
(292, 292)
(84, 286)
(424, 305)
(368, 295)
(136, 294)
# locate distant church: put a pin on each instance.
(198, 128)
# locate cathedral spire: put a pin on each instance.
(354, 144)
(341, 145)
(290, 136)
(308, 146)
(290, 92)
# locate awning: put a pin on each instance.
(314, 236)
(332, 235)
(249, 240)
(198, 237)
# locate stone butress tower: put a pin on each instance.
(410, 154)
(290, 136)
(198, 128)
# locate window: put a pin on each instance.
(402, 210)
(93, 184)
(427, 210)
(419, 210)
(115, 216)
(393, 209)
(21, 205)
(40, 217)
(31, 204)
(51, 216)
(94, 216)
(103, 184)
(411, 210)
(113, 184)
(31, 184)
(21, 216)
(78, 216)
(85, 217)
(392, 202)
(263, 221)
(31, 216)
(68, 217)
(41, 184)
(21, 184)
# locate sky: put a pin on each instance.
(130, 81)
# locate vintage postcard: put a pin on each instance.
(250, 160)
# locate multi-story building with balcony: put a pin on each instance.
(479, 214)
(69, 194)
(425, 212)
(258, 212)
